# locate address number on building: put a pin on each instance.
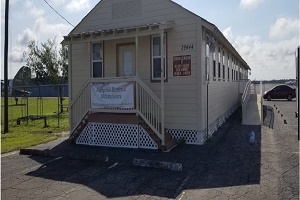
(187, 47)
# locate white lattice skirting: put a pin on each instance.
(134, 136)
(116, 135)
(199, 137)
(220, 121)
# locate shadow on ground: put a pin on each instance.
(268, 116)
(226, 160)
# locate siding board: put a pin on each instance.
(184, 96)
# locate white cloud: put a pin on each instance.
(57, 2)
(250, 4)
(41, 31)
(78, 5)
(228, 33)
(16, 55)
(284, 27)
(33, 10)
(267, 60)
(26, 36)
(45, 30)
(13, 2)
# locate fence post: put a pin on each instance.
(58, 105)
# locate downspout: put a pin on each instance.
(207, 83)
(70, 85)
(211, 48)
(239, 82)
(162, 79)
(137, 107)
(136, 74)
(207, 109)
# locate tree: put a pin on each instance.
(49, 63)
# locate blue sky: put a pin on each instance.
(264, 32)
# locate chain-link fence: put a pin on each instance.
(36, 103)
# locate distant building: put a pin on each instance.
(34, 89)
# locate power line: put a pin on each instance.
(58, 13)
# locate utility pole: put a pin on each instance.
(6, 68)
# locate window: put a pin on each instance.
(219, 70)
(228, 74)
(97, 60)
(214, 69)
(157, 56)
(223, 60)
(228, 60)
(228, 65)
(277, 88)
(232, 78)
(233, 67)
(223, 72)
(207, 62)
(207, 50)
(219, 50)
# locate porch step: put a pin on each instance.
(150, 132)
(114, 118)
(169, 141)
(79, 129)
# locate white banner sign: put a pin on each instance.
(112, 95)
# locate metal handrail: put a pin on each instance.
(246, 91)
(245, 98)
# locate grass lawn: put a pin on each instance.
(30, 133)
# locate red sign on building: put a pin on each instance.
(182, 65)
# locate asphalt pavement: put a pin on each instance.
(226, 167)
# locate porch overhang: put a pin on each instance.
(123, 32)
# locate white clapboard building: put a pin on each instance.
(147, 73)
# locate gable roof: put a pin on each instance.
(89, 13)
(213, 29)
(210, 27)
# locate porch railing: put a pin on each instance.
(79, 108)
(147, 105)
(245, 98)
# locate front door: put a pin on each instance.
(126, 60)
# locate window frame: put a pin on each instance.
(214, 69)
(223, 58)
(228, 65)
(223, 72)
(228, 74)
(207, 70)
(219, 53)
(97, 61)
(152, 57)
(219, 71)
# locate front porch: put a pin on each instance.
(118, 58)
(136, 121)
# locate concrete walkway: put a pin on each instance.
(252, 115)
